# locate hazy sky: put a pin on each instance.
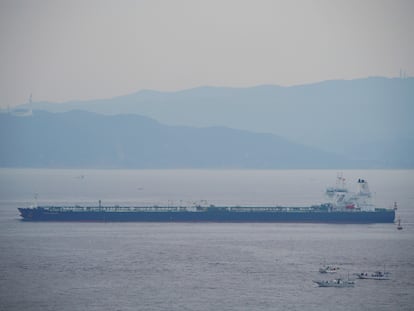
(79, 49)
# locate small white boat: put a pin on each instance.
(329, 269)
(335, 283)
(377, 275)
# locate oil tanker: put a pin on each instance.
(345, 207)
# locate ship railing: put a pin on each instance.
(115, 208)
(212, 208)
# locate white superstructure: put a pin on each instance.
(359, 200)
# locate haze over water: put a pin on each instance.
(76, 52)
(199, 266)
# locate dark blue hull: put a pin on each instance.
(383, 216)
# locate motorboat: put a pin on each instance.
(377, 275)
(335, 283)
(329, 269)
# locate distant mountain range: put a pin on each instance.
(80, 139)
(362, 123)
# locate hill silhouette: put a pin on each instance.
(82, 139)
(368, 120)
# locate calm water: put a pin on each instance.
(198, 266)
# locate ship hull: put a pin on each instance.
(362, 217)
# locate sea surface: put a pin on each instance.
(199, 266)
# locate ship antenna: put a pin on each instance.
(35, 199)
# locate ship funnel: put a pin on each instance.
(363, 188)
